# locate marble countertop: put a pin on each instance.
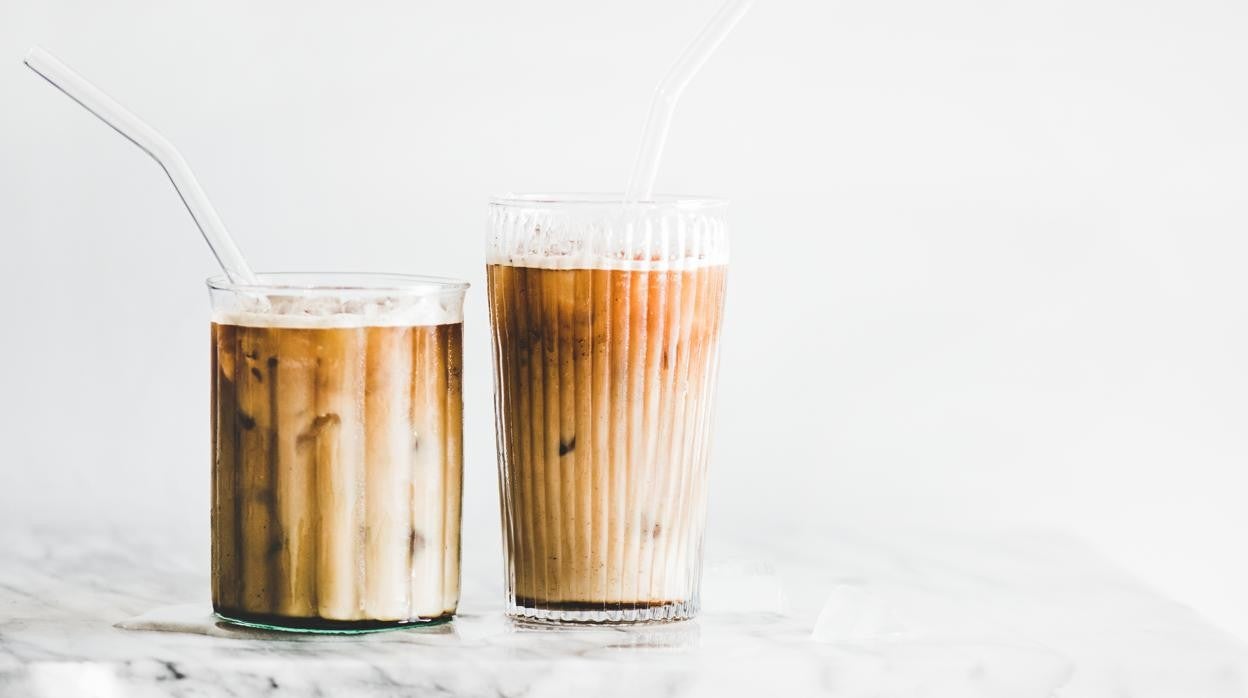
(839, 612)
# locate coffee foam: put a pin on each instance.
(552, 248)
(328, 313)
(549, 237)
(584, 261)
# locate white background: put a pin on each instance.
(988, 256)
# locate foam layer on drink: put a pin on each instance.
(621, 261)
(542, 239)
(338, 312)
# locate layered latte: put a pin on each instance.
(337, 469)
(605, 376)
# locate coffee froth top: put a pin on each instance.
(314, 301)
(328, 313)
(580, 231)
(576, 261)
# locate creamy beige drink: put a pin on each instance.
(605, 366)
(337, 464)
(607, 378)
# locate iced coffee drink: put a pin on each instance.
(336, 441)
(606, 322)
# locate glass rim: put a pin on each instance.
(677, 201)
(310, 282)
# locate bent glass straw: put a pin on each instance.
(77, 88)
(663, 105)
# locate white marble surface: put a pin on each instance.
(843, 613)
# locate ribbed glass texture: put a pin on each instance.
(606, 323)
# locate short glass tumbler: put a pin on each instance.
(336, 450)
(606, 326)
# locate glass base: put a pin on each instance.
(580, 613)
(290, 624)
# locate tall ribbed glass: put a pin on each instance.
(606, 323)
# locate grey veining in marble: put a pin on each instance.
(841, 613)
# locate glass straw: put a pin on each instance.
(162, 151)
(663, 105)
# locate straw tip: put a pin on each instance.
(33, 55)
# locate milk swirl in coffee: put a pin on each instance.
(336, 441)
(605, 364)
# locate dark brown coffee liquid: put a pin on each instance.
(337, 468)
